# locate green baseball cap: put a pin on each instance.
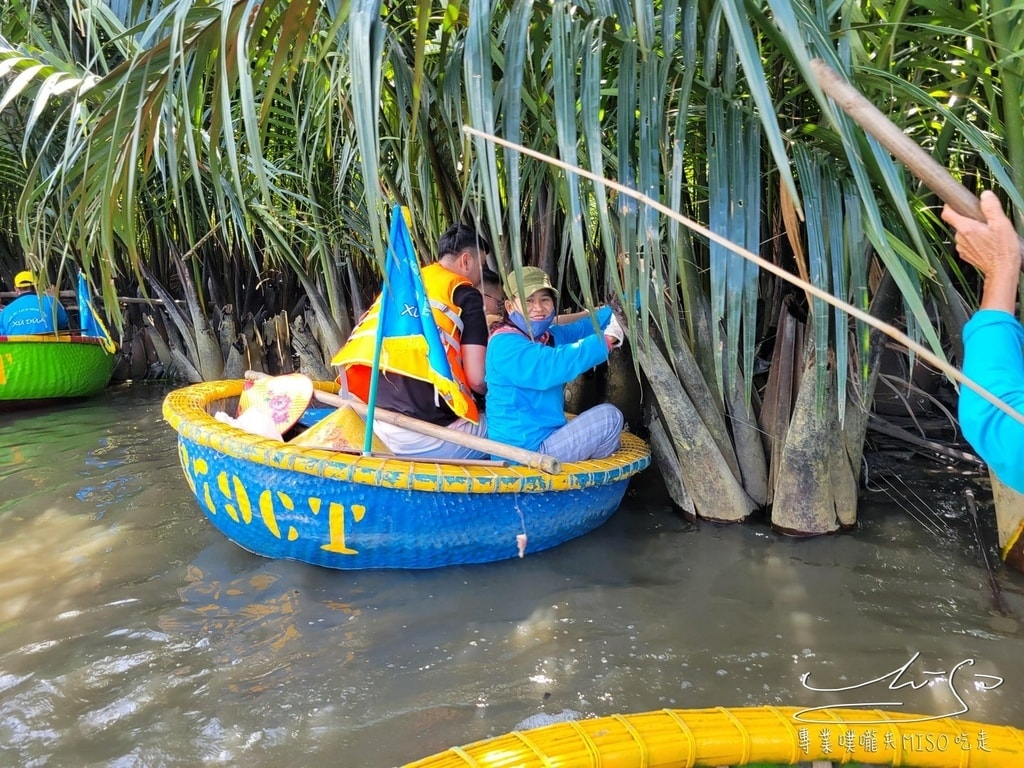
(534, 279)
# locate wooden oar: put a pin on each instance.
(532, 459)
(540, 461)
(491, 463)
(903, 148)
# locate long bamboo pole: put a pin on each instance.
(532, 459)
(1009, 505)
(903, 148)
(540, 461)
(889, 330)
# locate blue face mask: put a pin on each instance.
(538, 327)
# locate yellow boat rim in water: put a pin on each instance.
(745, 736)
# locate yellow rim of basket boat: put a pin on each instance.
(186, 411)
(61, 337)
(679, 738)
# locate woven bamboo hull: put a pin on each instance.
(348, 511)
(744, 736)
(47, 366)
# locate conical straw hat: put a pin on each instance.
(283, 398)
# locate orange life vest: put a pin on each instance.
(356, 356)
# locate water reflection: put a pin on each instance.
(131, 633)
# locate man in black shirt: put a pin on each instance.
(452, 285)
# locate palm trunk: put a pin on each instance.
(209, 356)
(665, 459)
(707, 476)
(816, 487)
(746, 437)
(780, 392)
(704, 401)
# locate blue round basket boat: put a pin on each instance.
(349, 511)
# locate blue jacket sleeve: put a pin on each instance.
(575, 331)
(994, 358)
(517, 360)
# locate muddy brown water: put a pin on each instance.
(133, 634)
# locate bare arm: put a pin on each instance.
(473, 356)
(993, 248)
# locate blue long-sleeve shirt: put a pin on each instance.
(994, 358)
(31, 314)
(526, 380)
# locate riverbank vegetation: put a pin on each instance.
(235, 162)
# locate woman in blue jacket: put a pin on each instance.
(530, 360)
(993, 341)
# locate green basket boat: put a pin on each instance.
(51, 366)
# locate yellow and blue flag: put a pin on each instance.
(89, 320)
(405, 327)
(407, 321)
